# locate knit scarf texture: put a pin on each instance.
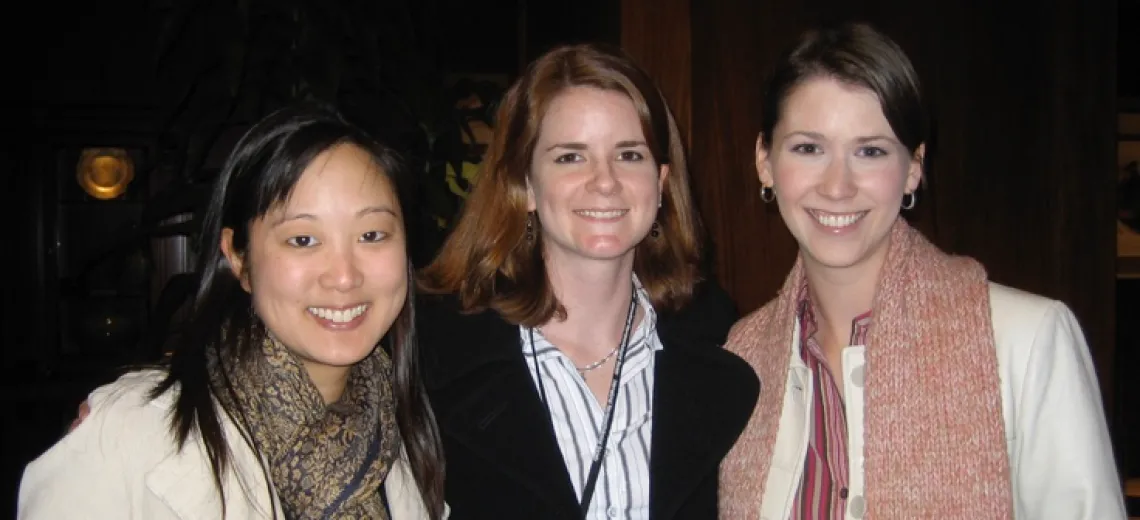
(326, 461)
(934, 442)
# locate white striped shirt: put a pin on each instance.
(622, 490)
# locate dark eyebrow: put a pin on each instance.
(876, 137)
(864, 139)
(813, 135)
(376, 209)
(309, 216)
(568, 146)
(294, 216)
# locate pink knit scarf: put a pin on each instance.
(934, 435)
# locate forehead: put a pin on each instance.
(579, 109)
(827, 105)
(343, 176)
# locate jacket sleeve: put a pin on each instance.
(1063, 462)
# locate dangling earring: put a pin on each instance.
(908, 200)
(655, 231)
(530, 227)
(767, 194)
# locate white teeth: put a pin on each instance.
(338, 316)
(838, 221)
(612, 213)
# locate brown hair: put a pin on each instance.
(487, 260)
(857, 54)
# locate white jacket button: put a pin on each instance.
(857, 506)
(857, 376)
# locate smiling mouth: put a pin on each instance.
(344, 315)
(836, 220)
(602, 213)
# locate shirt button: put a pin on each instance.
(612, 512)
(843, 493)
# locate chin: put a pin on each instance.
(345, 356)
(605, 246)
(343, 349)
(839, 255)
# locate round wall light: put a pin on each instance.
(104, 173)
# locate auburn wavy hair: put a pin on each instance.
(487, 261)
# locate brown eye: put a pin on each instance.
(301, 241)
(871, 151)
(373, 236)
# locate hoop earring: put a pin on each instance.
(767, 194)
(909, 199)
(530, 227)
(655, 231)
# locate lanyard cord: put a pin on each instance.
(611, 402)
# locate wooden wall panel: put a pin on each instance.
(1023, 176)
(658, 35)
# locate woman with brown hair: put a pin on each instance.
(902, 382)
(572, 352)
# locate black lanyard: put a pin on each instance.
(611, 403)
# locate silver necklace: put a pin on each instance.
(582, 370)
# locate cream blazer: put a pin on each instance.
(121, 463)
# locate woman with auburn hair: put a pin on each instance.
(902, 382)
(571, 349)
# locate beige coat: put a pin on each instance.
(120, 463)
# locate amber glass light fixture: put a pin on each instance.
(104, 173)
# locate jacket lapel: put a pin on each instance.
(506, 423)
(486, 400)
(184, 482)
(703, 397)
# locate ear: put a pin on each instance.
(235, 259)
(531, 200)
(763, 165)
(661, 183)
(914, 172)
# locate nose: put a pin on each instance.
(838, 180)
(342, 272)
(604, 179)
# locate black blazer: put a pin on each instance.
(502, 458)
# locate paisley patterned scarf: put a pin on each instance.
(325, 461)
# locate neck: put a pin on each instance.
(596, 297)
(330, 381)
(841, 294)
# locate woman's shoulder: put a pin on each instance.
(123, 412)
(1012, 307)
(705, 319)
(125, 433)
(442, 318)
(755, 323)
(1024, 322)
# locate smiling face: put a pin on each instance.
(839, 173)
(593, 181)
(327, 268)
